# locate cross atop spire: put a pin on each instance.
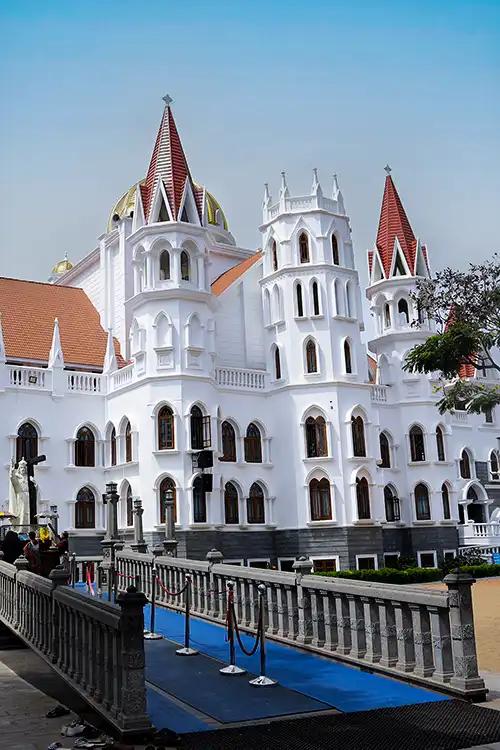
(387, 169)
(167, 99)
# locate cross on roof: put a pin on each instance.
(387, 169)
(167, 99)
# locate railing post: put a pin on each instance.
(21, 564)
(139, 544)
(303, 567)
(213, 557)
(108, 543)
(463, 642)
(133, 715)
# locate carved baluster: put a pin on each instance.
(424, 663)
(358, 637)
(343, 623)
(388, 633)
(372, 630)
(441, 643)
(404, 633)
(330, 621)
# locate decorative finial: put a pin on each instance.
(168, 100)
(387, 169)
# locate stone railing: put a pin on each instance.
(84, 382)
(29, 377)
(479, 533)
(378, 393)
(425, 635)
(122, 377)
(240, 378)
(97, 647)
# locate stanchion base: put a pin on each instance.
(262, 681)
(186, 651)
(148, 636)
(232, 669)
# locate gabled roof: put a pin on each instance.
(394, 224)
(225, 280)
(169, 165)
(28, 310)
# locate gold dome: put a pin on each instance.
(62, 266)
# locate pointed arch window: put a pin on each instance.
(277, 363)
(422, 503)
(26, 442)
(315, 296)
(128, 443)
(85, 448)
(200, 429)
(130, 507)
(164, 265)
(303, 248)
(112, 446)
(253, 445)
(184, 215)
(316, 442)
(320, 500)
(363, 498)
(385, 451)
(417, 444)
(335, 251)
(85, 509)
(440, 444)
(167, 485)
(465, 464)
(347, 357)
(445, 497)
(166, 430)
(300, 301)
(228, 442)
(387, 315)
(392, 508)
(311, 357)
(494, 466)
(199, 501)
(274, 255)
(231, 504)
(163, 213)
(255, 505)
(185, 266)
(403, 309)
(358, 436)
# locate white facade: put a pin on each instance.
(190, 344)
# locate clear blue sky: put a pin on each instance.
(258, 87)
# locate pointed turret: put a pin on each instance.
(168, 168)
(337, 195)
(56, 357)
(316, 187)
(110, 364)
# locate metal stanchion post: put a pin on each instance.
(262, 680)
(150, 634)
(187, 650)
(137, 578)
(99, 579)
(231, 667)
(73, 570)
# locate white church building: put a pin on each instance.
(168, 339)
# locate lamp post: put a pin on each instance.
(139, 544)
(170, 543)
(110, 499)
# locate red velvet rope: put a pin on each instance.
(172, 593)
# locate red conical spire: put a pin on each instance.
(168, 164)
(394, 223)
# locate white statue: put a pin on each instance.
(19, 504)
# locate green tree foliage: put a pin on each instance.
(465, 306)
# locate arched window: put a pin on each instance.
(403, 309)
(128, 443)
(274, 255)
(255, 505)
(348, 300)
(164, 265)
(304, 248)
(363, 498)
(228, 442)
(85, 509)
(185, 266)
(445, 496)
(385, 451)
(347, 357)
(440, 444)
(315, 296)
(494, 466)
(166, 433)
(417, 445)
(320, 500)
(199, 501)
(387, 315)
(231, 504)
(316, 442)
(200, 429)
(130, 507)
(277, 363)
(112, 446)
(422, 504)
(26, 442)
(85, 448)
(253, 445)
(465, 471)
(358, 436)
(392, 508)
(335, 250)
(300, 302)
(311, 357)
(167, 484)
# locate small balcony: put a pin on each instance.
(479, 534)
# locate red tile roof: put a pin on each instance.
(394, 223)
(28, 309)
(225, 280)
(372, 368)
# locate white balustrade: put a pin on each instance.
(460, 417)
(84, 382)
(122, 377)
(28, 377)
(241, 379)
(378, 393)
(471, 531)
